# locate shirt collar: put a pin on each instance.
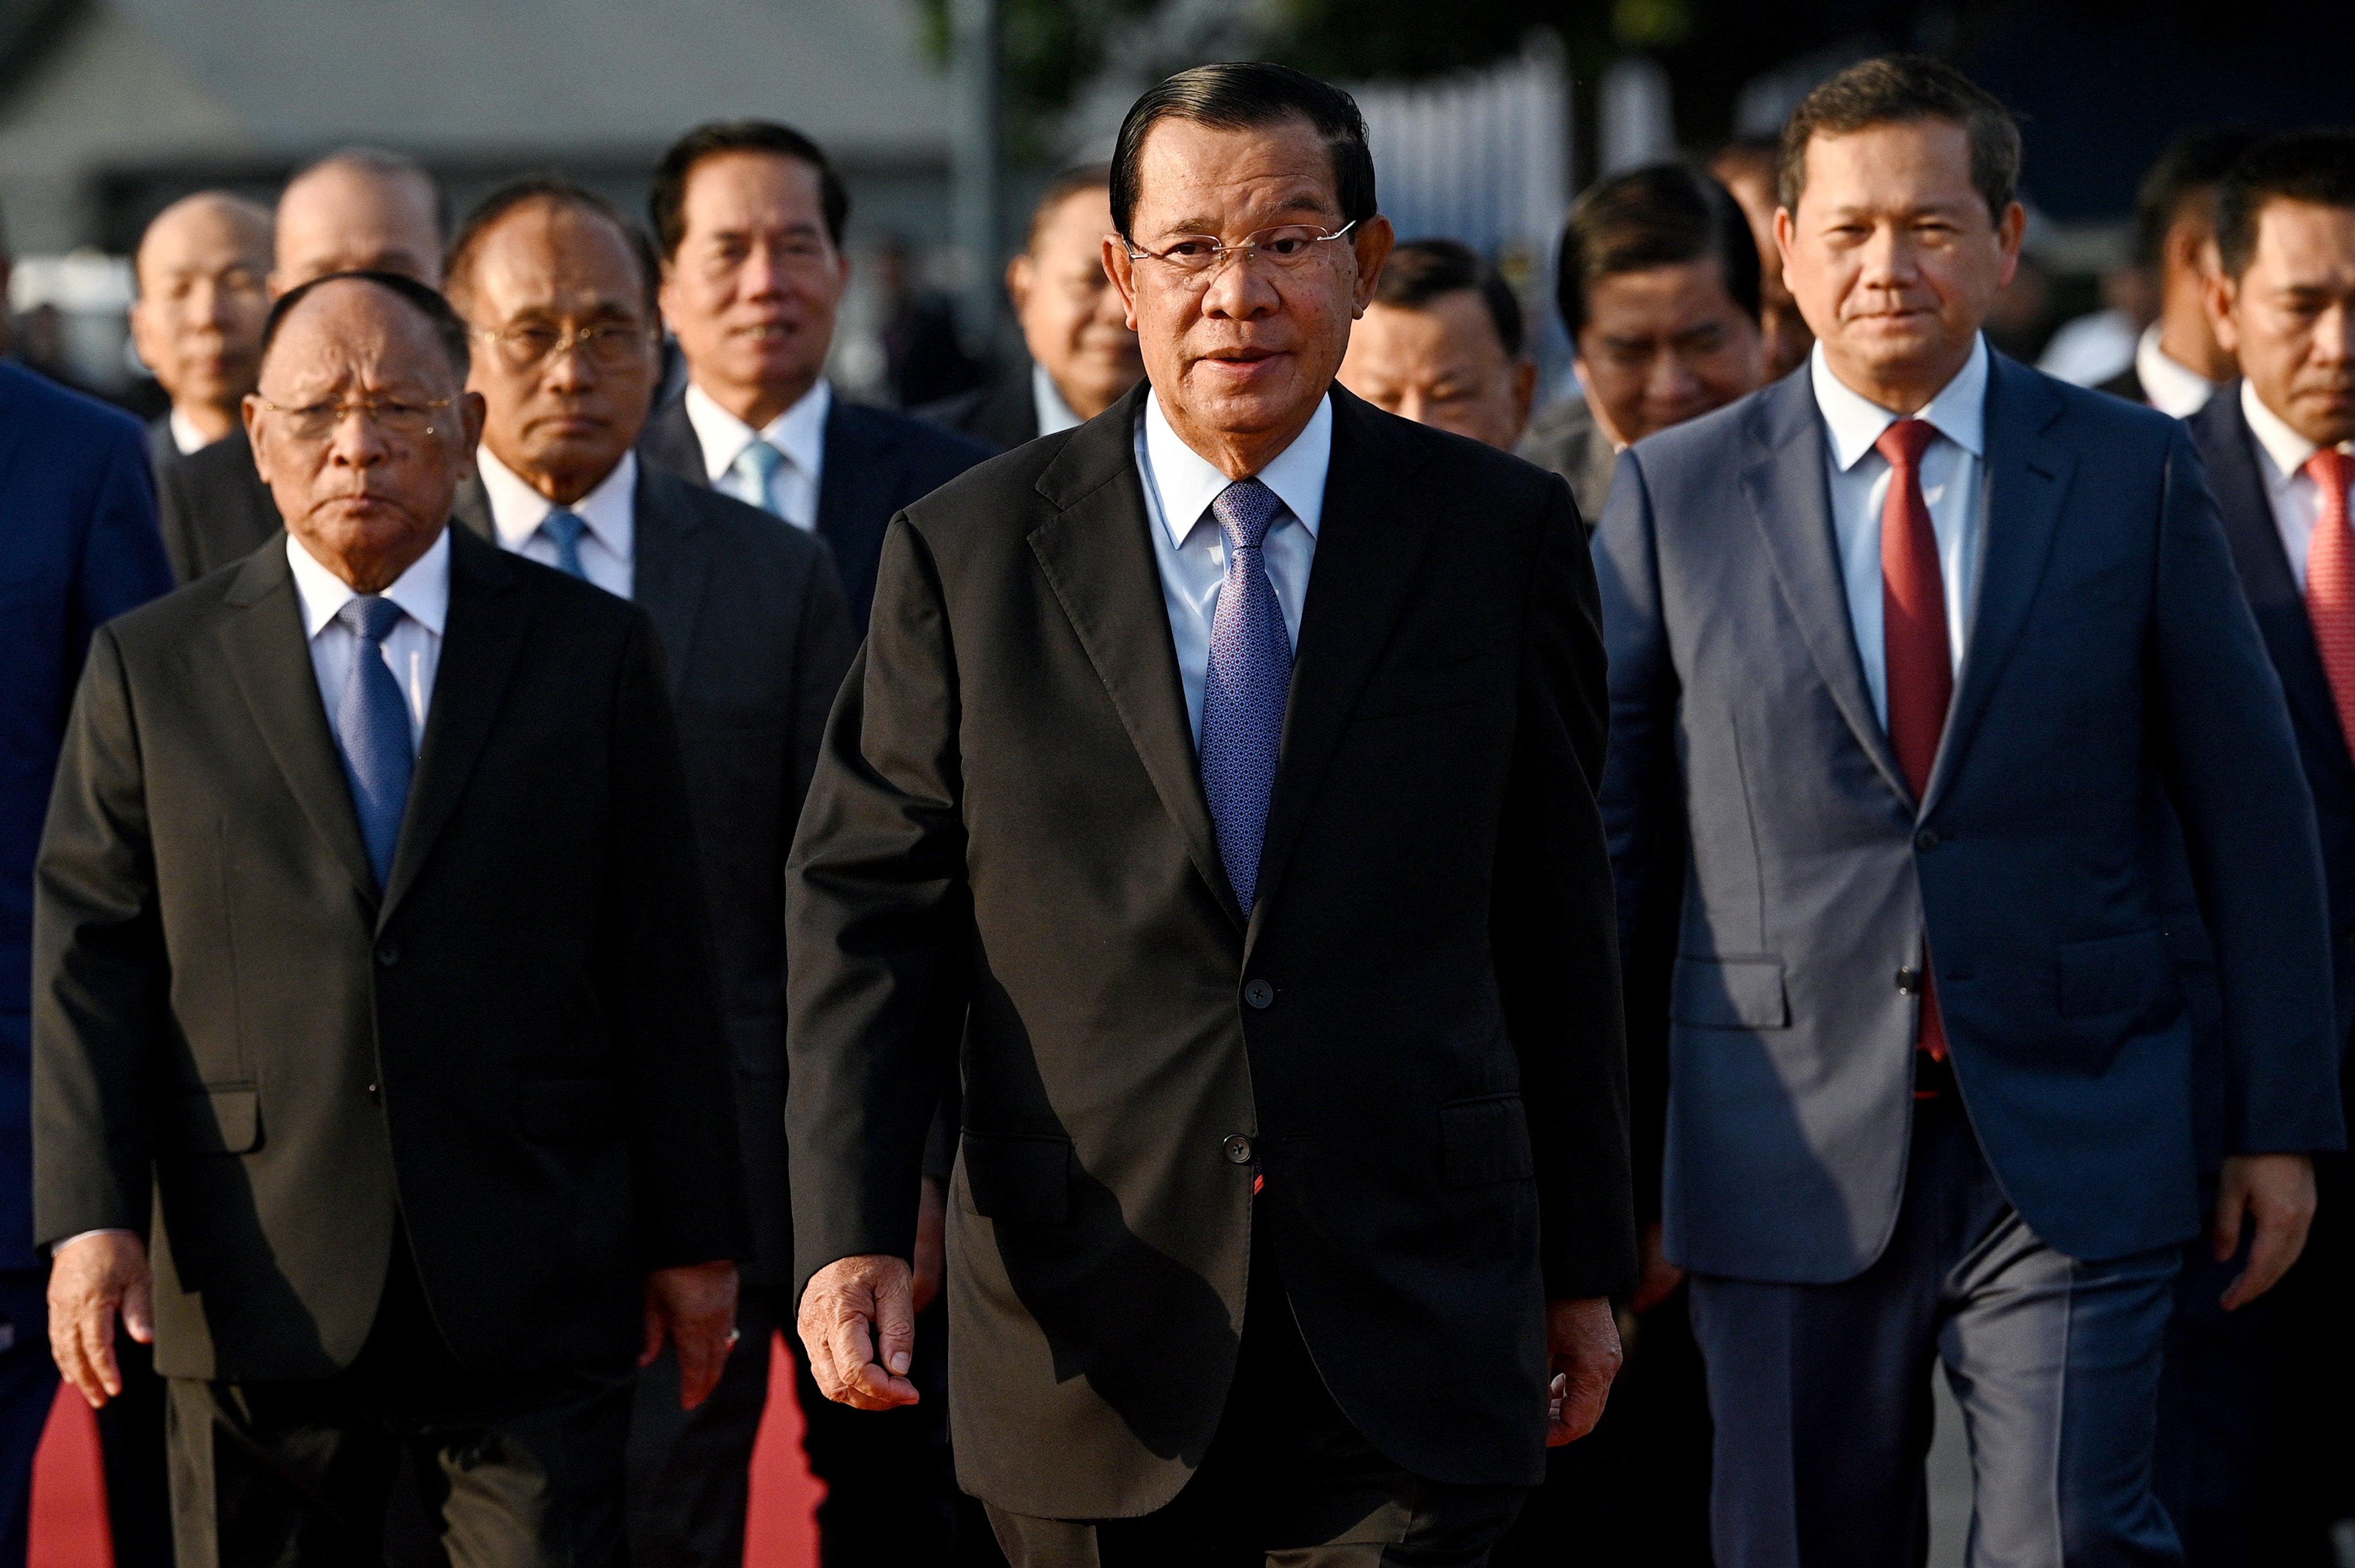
(186, 437)
(1853, 421)
(1054, 411)
(799, 432)
(2169, 385)
(517, 510)
(423, 590)
(1189, 481)
(2286, 451)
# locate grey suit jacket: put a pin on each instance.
(756, 637)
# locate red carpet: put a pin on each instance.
(70, 1491)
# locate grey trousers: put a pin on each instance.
(1821, 1392)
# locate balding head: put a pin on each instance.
(360, 211)
(198, 320)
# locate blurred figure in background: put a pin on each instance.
(749, 218)
(1746, 168)
(202, 271)
(357, 209)
(924, 357)
(1083, 356)
(2255, 1460)
(2178, 363)
(1658, 284)
(1441, 344)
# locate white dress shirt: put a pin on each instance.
(2296, 499)
(412, 650)
(1954, 483)
(186, 437)
(2169, 385)
(1190, 549)
(799, 432)
(608, 543)
(1054, 413)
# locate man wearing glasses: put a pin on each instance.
(559, 288)
(1216, 784)
(367, 942)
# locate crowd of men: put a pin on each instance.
(1237, 971)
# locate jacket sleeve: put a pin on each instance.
(2222, 735)
(122, 561)
(1556, 952)
(878, 918)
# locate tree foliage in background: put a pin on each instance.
(1049, 50)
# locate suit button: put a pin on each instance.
(1927, 840)
(375, 1095)
(1258, 993)
(1237, 1150)
(1908, 981)
(387, 953)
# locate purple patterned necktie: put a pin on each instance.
(1244, 690)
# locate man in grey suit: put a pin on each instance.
(559, 288)
(1923, 667)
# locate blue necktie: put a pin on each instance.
(752, 477)
(372, 731)
(564, 530)
(1244, 689)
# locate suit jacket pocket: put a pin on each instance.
(1022, 1179)
(560, 1110)
(1729, 993)
(219, 1118)
(1484, 1140)
(2129, 976)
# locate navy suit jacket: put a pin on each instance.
(877, 462)
(78, 546)
(2112, 672)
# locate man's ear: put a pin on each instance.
(1123, 273)
(2220, 294)
(1373, 242)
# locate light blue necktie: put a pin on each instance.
(564, 530)
(372, 731)
(752, 477)
(1244, 688)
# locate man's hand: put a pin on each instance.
(2275, 1190)
(932, 1241)
(695, 1308)
(858, 1322)
(1657, 1278)
(92, 1279)
(1582, 1347)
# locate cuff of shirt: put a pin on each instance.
(85, 1235)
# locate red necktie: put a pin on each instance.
(2330, 583)
(1919, 668)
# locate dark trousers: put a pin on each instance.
(515, 1471)
(29, 1386)
(1286, 1479)
(138, 1473)
(1821, 1392)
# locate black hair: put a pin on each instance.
(457, 268)
(1662, 215)
(2192, 166)
(666, 201)
(1422, 270)
(2317, 166)
(1247, 95)
(1900, 89)
(448, 330)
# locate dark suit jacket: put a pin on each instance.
(757, 637)
(78, 546)
(512, 1054)
(1002, 415)
(2111, 669)
(1417, 1030)
(216, 510)
(876, 462)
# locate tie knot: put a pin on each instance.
(564, 527)
(1904, 441)
(2327, 468)
(1245, 509)
(368, 617)
(762, 460)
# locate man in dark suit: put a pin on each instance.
(78, 547)
(748, 219)
(1294, 1160)
(1441, 344)
(1911, 656)
(2255, 1461)
(370, 940)
(2178, 363)
(202, 270)
(561, 291)
(1083, 353)
(355, 210)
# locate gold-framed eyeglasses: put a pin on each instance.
(610, 345)
(317, 421)
(1198, 258)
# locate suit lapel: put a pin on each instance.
(668, 573)
(1791, 502)
(485, 630)
(1097, 554)
(847, 518)
(269, 657)
(472, 508)
(670, 444)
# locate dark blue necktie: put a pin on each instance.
(1244, 689)
(563, 529)
(372, 731)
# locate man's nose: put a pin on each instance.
(1240, 290)
(357, 441)
(1888, 258)
(760, 277)
(1670, 383)
(2334, 334)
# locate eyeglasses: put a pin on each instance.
(608, 344)
(317, 421)
(1198, 258)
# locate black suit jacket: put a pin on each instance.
(214, 508)
(876, 462)
(1417, 1030)
(756, 637)
(1004, 414)
(512, 1052)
